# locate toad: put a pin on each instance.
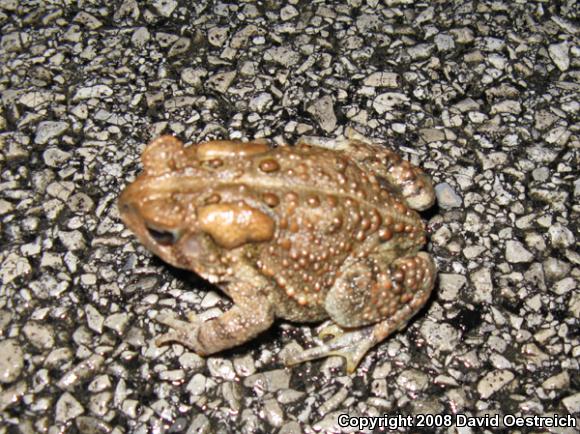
(305, 233)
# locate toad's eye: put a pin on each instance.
(164, 238)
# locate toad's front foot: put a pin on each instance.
(183, 332)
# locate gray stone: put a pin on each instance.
(14, 42)
(193, 76)
(200, 424)
(481, 279)
(221, 368)
(14, 266)
(217, 36)
(440, 336)
(572, 403)
(430, 135)
(261, 102)
(221, 81)
(49, 130)
(444, 42)
(54, 157)
(413, 380)
(288, 12)
(67, 408)
(560, 55)
(323, 111)
(11, 360)
(557, 382)
(494, 382)
(140, 37)
(270, 381)
(12, 395)
(507, 106)
(40, 335)
(9, 5)
(98, 91)
(382, 79)
(117, 322)
(515, 252)
(94, 319)
(81, 372)
(88, 20)
(561, 236)
(421, 51)
(450, 285)
(273, 412)
(555, 269)
(492, 44)
(165, 7)
(446, 196)
(282, 55)
(387, 101)
(179, 47)
(564, 286)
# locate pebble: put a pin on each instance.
(515, 252)
(444, 42)
(430, 135)
(450, 285)
(40, 335)
(288, 12)
(67, 408)
(382, 79)
(447, 198)
(269, 381)
(273, 412)
(140, 37)
(261, 102)
(14, 266)
(221, 81)
(323, 111)
(572, 403)
(81, 372)
(561, 236)
(165, 7)
(283, 55)
(413, 380)
(493, 382)
(94, 319)
(117, 322)
(11, 360)
(507, 106)
(14, 42)
(440, 336)
(560, 55)
(49, 130)
(98, 91)
(481, 280)
(387, 101)
(557, 382)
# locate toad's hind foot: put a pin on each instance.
(352, 345)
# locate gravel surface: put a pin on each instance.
(482, 94)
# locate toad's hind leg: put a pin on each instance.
(369, 302)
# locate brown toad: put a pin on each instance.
(301, 232)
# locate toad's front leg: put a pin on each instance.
(238, 325)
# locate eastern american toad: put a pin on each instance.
(303, 233)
